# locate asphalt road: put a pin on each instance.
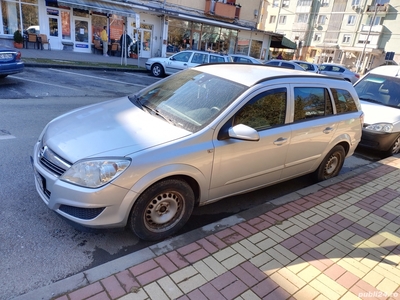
(36, 246)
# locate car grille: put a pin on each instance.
(82, 213)
(53, 162)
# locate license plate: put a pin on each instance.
(39, 178)
(5, 55)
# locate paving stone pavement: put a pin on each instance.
(339, 239)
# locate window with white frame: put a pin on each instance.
(321, 19)
(302, 18)
(285, 3)
(373, 20)
(351, 20)
(346, 38)
(282, 20)
(18, 14)
(304, 2)
(272, 19)
(317, 37)
(275, 3)
(325, 3)
(355, 2)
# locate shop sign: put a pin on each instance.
(52, 12)
(81, 45)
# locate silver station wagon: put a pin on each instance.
(212, 131)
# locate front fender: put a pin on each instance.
(173, 170)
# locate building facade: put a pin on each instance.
(157, 27)
(360, 34)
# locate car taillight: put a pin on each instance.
(18, 56)
(357, 75)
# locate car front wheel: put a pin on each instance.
(157, 70)
(394, 149)
(331, 165)
(162, 209)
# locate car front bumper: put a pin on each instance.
(378, 140)
(105, 207)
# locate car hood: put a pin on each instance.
(112, 128)
(378, 113)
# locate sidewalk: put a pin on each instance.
(339, 239)
(63, 56)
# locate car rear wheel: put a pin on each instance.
(331, 165)
(157, 70)
(162, 210)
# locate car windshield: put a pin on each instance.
(190, 99)
(379, 89)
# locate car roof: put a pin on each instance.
(393, 71)
(250, 74)
(201, 51)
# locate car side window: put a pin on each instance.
(199, 58)
(311, 102)
(265, 110)
(286, 65)
(183, 56)
(344, 102)
(216, 59)
(337, 69)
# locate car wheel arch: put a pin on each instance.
(191, 175)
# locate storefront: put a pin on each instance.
(75, 24)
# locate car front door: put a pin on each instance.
(242, 165)
(178, 62)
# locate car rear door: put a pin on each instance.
(313, 127)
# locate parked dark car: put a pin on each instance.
(10, 62)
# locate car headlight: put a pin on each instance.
(380, 127)
(95, 173)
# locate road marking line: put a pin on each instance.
(62, 71)
(41, 82)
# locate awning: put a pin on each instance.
(332, 46)
(281, 42)
(118, 8)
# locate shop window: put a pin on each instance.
(18, 14)
(98, 22)
(65, 25)
(255, 49)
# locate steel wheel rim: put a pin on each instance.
(163, 211)
(396, 146)
(332, 164)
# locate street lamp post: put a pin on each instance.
(360, 62)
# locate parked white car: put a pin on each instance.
(379, 92)
(160, 66)
(212, 131)
(283, 64)
(244, 59)
(309, 67)
(338, 71)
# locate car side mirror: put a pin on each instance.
(172, 58)
(243, 132)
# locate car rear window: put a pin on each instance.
(344, 102)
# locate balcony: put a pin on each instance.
(228, 10)
(381, 9)
(374, 29)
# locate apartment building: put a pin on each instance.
(360, 34)
(157, 27)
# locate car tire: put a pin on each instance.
(394, 149)
(331, 165)
(157, 70)
(162, 209)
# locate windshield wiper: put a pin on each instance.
(157, 113)
(370, 100)
(135, 99)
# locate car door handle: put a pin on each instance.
(328, 130)
(280, 141)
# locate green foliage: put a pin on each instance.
(18, 38)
